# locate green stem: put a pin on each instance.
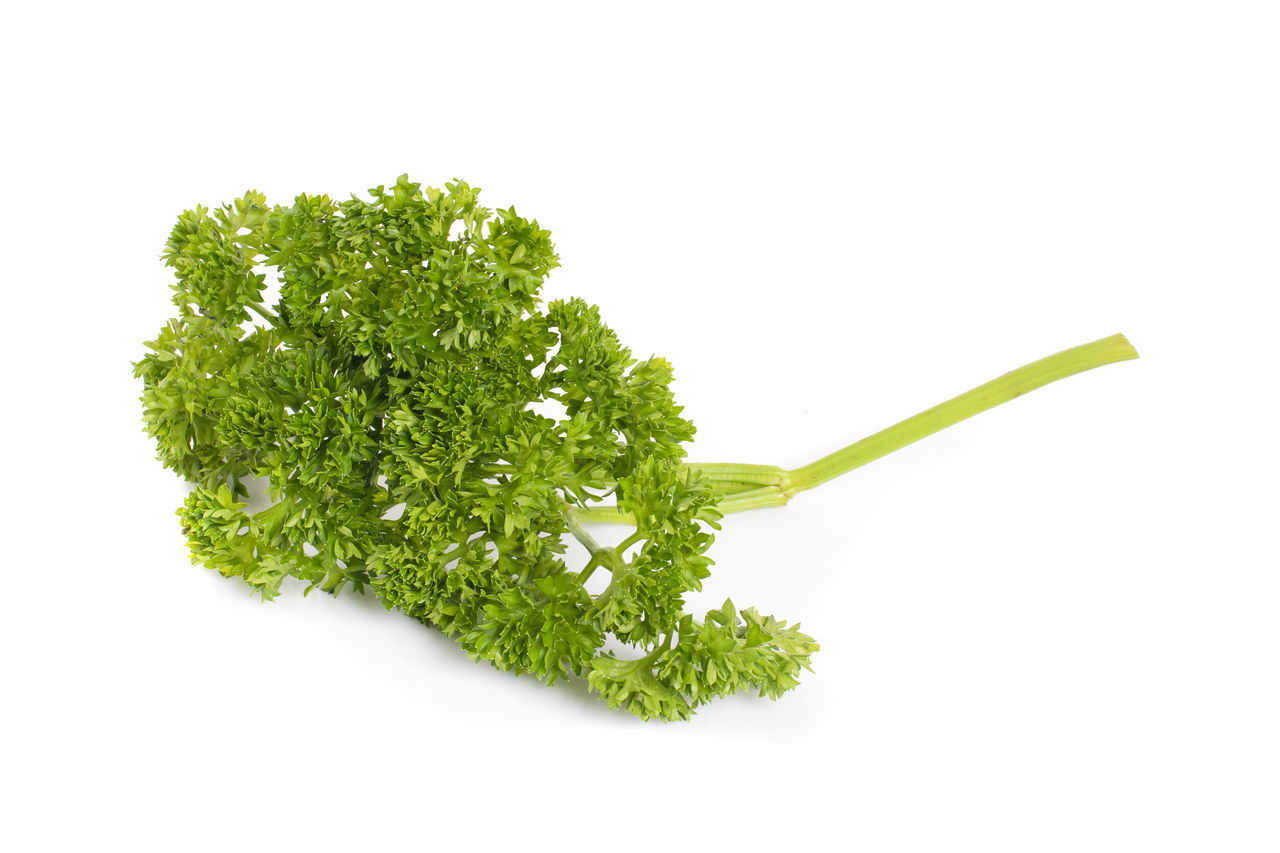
(989, 395)
(602, 515)
(589, 569)
(758, 475)
(753, 486)
(573, 518)
(622, 546)
(265, 312)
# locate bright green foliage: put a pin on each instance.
(726, 653)
(388, 400)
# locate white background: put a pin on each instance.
(1053, 627)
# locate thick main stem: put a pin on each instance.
(753, 486)
(1002, 389)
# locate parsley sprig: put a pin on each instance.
(388, 400)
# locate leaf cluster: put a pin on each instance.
(390, 400)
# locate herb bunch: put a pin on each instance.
(390, 400)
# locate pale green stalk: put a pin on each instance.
(754, 486)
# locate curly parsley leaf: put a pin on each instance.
(390, 400)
